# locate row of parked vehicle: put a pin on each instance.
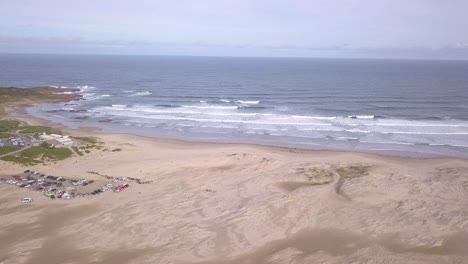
(60, 187)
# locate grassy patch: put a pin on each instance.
(7, 125)
(89, 140)
(38, 129)
(12, 94)
(5, 150)
(117, 149)
(77, 151)
(47, 153)
(21, 160)
(5, 135)
(87, 144)
(39, 154)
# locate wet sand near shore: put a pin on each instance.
(215, 203)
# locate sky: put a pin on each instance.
(419, 29)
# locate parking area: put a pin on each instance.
(17, 140)
(59, 187)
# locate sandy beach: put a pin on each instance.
(230, 203)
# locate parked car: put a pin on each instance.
(26, 200)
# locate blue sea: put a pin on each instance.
(401, 107)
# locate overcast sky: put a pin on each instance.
(296, 28)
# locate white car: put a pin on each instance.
(26, 200)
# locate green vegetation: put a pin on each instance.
(77, 151)
(5, 150)
(117, 149)
(12, 94)
(5, 135)
(89, 140)
(39, 154)
(20, 160)
(47, 153)
(38, 129)
(7, 125)
(88, 143)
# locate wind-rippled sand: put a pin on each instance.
(214, 203)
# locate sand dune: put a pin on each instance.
(215, 203)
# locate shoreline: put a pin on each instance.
(96, 131)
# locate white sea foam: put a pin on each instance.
(85, 88)
(119, 106)
(422, 133)
(187, 110)
(346, 138)
(203, 116)
(225, 101)
(388, 142)
(247, 102)
(319, 129)
(67, 108)
(358, 131)
(212, 107)
(314, 117)
(141, 94)
(361, 116)
(421, 124)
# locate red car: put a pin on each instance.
(121, 188)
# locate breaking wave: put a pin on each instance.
(247, 102)
(141, 94)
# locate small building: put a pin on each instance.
(57, 140)
(65, 141)
(53, 142)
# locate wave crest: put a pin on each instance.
(141, 93)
